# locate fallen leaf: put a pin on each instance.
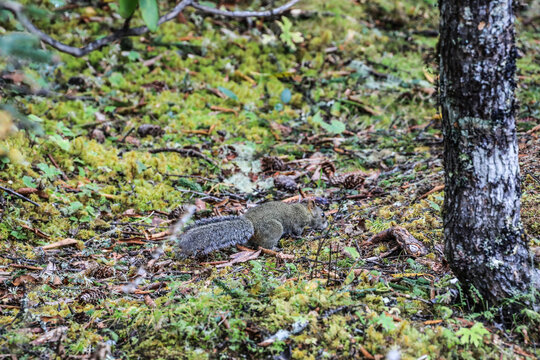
(25, 279)
(133, 141)
(283, 129)
(65, 242)
(50, 336)
(200, 205)
(131, 213)
(241, 257)
(149, 302)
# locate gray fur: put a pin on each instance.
(212, 234)
(211, 220)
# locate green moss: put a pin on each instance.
(233, 309)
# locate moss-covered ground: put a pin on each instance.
(339, 104)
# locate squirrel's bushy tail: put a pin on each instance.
(217, 233)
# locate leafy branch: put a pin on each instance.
(18, 11)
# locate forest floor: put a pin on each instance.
(338, 104)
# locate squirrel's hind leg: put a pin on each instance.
(267, 234)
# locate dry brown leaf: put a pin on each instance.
(130, 212)
(27, 191)
(51, 336)
(200, 205)
(65, 242)
(149, 301)
(25, 279)
(57, 281)
(133, 141)
(241, 257)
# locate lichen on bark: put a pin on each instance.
(484, 237)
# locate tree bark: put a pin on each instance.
(485, 244)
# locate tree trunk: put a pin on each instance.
(485, 244)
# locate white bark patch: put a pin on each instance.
(491, 165)
(467, 15)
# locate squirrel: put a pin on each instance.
(262, 226)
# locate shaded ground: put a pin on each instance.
(346, 115)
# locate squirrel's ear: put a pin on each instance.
(311, 205)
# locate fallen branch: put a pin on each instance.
(245, 14)
(18, 11)
(403, 238)
(13, 192)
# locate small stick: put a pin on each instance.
(188, 152)
(13, 192)
(58, 167)
(434, 190)
(127, 134)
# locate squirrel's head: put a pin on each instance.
(318, 218)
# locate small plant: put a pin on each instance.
(289, 37)
(50, 172)
(385, 321)
(473, 335)
(149, 11)
(335, 127)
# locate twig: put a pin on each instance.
(187, 152)
(381, 256)
(190, 176)
(534, 177)
(127, 134)
(435, 189)
(64, 176)
(22, 266)
(13, 192)
(18, 11)
(21, 90)
(200, 193)
(98, 123)
(245, 14)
